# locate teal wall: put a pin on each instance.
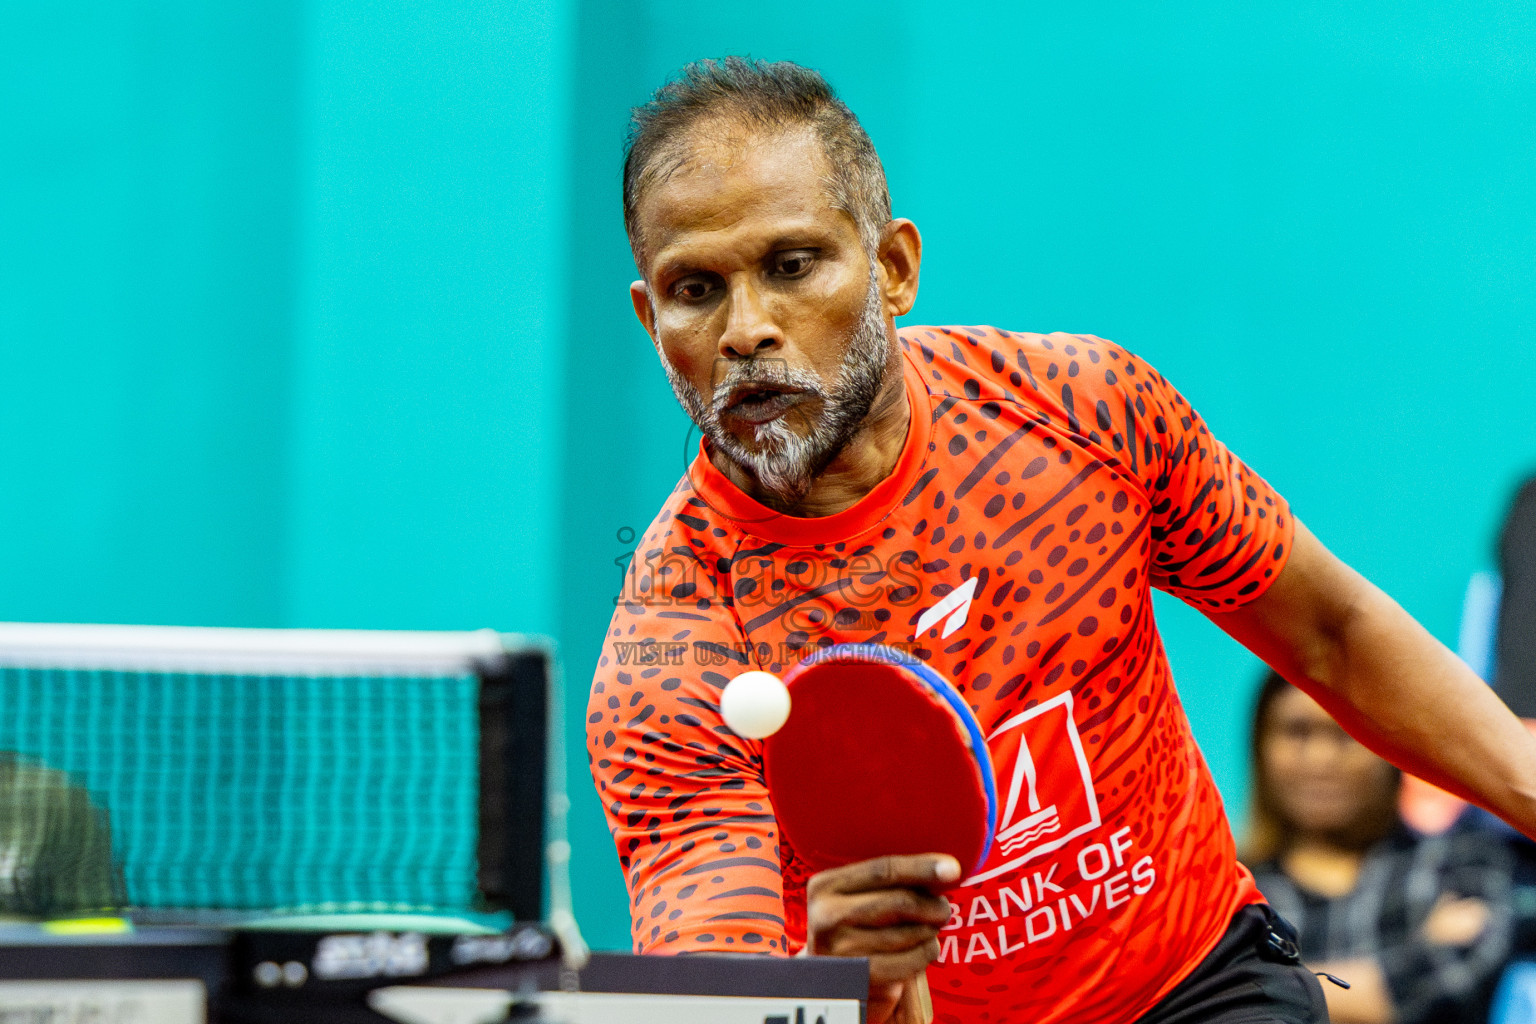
(429, 335)
(148, 212)
(314, 314)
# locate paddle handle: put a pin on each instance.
(916, 1006)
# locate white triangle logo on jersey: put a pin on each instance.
(1050, 798)
(956, 605)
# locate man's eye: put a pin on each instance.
(691, 289)
(793, 264)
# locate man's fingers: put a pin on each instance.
(883, 1000)
(885, 909)
(876, 941)
(919, 870)
(876, 909)
(885, 968)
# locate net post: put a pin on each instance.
(514, 706)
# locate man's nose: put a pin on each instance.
(750, 329)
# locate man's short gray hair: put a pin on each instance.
(760, 97)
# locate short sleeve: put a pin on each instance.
(684, 796)
(1220, 533)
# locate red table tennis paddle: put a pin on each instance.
(880, 755)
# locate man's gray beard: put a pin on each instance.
(785, 464)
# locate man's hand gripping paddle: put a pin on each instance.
(879, 756)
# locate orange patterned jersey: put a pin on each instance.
(1046, 484)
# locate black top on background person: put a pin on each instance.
(1515, 667)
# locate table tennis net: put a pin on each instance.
(357, 774)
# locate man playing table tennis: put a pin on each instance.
(1000, 505)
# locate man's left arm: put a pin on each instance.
(1388, 681)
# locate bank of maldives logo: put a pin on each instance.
(1049, 798)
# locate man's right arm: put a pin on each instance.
(684, 795)
(689, 811)
(698, 843)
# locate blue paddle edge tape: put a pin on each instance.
(945, 689)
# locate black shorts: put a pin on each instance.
(1253, 976)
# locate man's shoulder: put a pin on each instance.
(1043, 371)
(979, 336)
(1015, 357)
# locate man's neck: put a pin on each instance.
(868, 458)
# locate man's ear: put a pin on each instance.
(901, 256)
(640, 298)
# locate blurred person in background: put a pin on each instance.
(1515, 643)
(1498, 640)
(1419, 926)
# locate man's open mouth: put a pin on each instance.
(760, 403)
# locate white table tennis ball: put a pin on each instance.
(755, 704)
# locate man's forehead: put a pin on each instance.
(717, 180)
